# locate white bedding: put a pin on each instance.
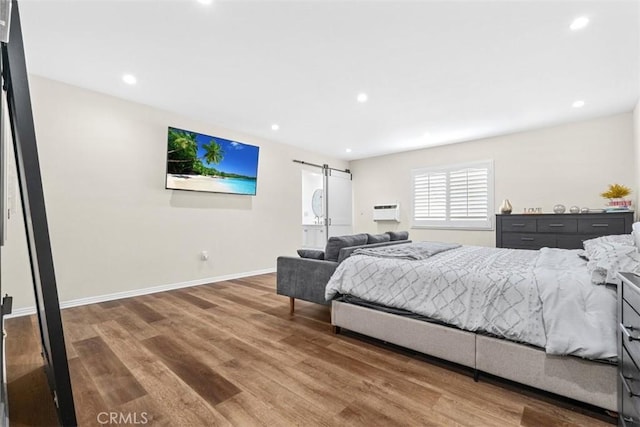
(544, 298)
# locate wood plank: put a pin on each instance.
(75, 325)
(364, 392)
(206, 328)
(23, 344)
(209, 351)
(179, 401)
(233, 296)
(192, 299)
(85, 394)
(26, 378)
(142, 310)
(30, 402)
(422, 395)
(461, 412)
(109, 304)
(146, 411)
(232, 322)
(252, 284)
(175, 399)
(364, 415)
(245, 409)
(114, 381)
(242, 288)
(535, 414)
(296, 410)
(140, 329)
(295, 380)
(211, 386)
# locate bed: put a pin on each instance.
(543, 318)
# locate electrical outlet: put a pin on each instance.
(204, 255)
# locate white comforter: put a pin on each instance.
(544, 298)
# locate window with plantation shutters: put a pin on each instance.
(457, 196)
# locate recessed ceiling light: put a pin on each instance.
(578, 104)
(426, 135)
(579, 23)
(129, 79)
(275, 126)
(205, 1)
(362, 97)
(348, 150)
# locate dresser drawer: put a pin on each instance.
(570, 241)
(519, 224)
(631, 296)
(559, 225)
(630, 330)
(631, 375)
(629, 388)
(628, 413)
(528, 240)
(602, 226)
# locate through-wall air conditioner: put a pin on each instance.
(386, 212)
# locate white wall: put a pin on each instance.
(113, 225)
(569, 164)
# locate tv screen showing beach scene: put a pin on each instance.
(199, 162)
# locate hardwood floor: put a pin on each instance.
(230, 354)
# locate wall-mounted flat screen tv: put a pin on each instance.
(199, 162)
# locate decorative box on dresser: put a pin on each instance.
(566, 231)
(629, 350)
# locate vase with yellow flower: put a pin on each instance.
(617, 193)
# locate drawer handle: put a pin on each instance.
(626, 386)
(599, 225)
(628, 419)
(556, 225)
(527, 239)
(517, 225)
(625, 331)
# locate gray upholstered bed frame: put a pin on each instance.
(583, 380)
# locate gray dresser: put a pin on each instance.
(629, 350)
(567, 231)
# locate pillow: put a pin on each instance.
(311, 253)
(335, 243)
(619, 239)
(398, 235)
(608, 258)
(377, 238)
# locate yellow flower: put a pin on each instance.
(616, 191)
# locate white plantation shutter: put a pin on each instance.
(457, 196)
(430, 196)
(468, 193)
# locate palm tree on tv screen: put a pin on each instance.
(213, 152)
(183, 152)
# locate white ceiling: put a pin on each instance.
(459, 70)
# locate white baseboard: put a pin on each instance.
(26, 311)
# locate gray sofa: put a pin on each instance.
(306, 277)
